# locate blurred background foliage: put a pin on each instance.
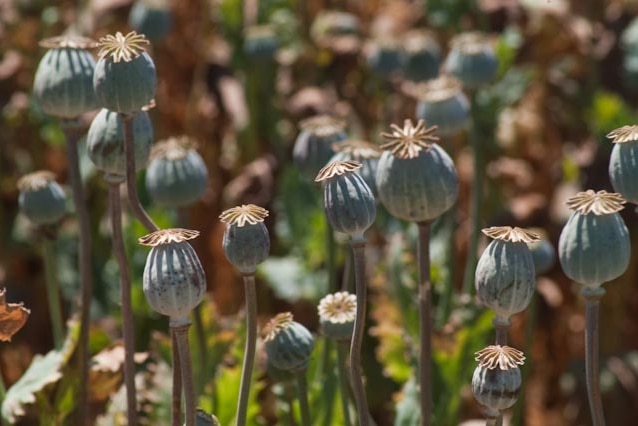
(567, 76)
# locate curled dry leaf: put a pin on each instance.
(13, 316)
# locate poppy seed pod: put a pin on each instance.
(42, 200)
(543, 255)
(497, 379)
(594, 246)
(423, 56)
(442, 103)
(505, 279)
(337, 31)
(623, 162)
(363, 152)
(63, 84)
(313, 146)
(416, 179)
(124, 79)
(288, 344)
(472, 60)
(152, 18)
(176, 175)
(105, 143)
(337, 313)
(347, 199)
(385, 57)
(174, 282)
(246, 241)
(261, 42)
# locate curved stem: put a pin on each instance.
(53, 290)
(592, 304)
(356, 378)
(181, 334)
(249, 351)
(425, 323)
(342, 354)
(302, 391)
(127, 309)
(176, 397)
(71, 133)
(346, 282)
(131, 182)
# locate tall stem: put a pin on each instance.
(53, 290)
(592, 304)
(302, 391)
(181, 334)
(425, 323)
(356, 374)
(84, 266)
(249, 351)
(127, 309)
(131, 182)
(331, 261)
(342, 354)
(176, 397)
(502, 326)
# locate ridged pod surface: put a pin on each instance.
(63, 84)
(472, 60)
(174, 282)
(42, 200)
(363, 152)
(594, 246)
(442, 103)
(623, 162)
(105, 143)
(288, 344)
(246, 240)
(497, 379)
(313, 146)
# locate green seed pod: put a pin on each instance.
(176, 175)
(337, 313)
(105, 143)
(443, 103)
(423, 56)
(42, 200)
(505, 278)
(347, 199)
(497, 379)
(543, 256)
(472, 60)
(337, 31)
(152, 18)
(173, 282)
(124, 78)
(363, 152)
(416, 179)
(63, 84)
(313, 147)
(385, 57)
(594, 246)
(623, 162)
(246, 241)
(202, 418)
(288, 343)
(261, 42)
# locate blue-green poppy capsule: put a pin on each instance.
(623, 162)
(497, 379)
(442, 103)
(288, 344)
(42, 200)
(313, 146)
(363, 152)
(261, 42)
(385, 57)
(337, 313)
(472, 60)
(153, 18)
(423, 56)
(336, 31)
(246, 240)
(543, 255)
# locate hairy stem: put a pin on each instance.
(425, 323)
(592, 304)
(356, 374)
(249, 351)
(53, 290)
(125, 294)
(302, 391)
(181, 333)
(176, 397)
(342, 356)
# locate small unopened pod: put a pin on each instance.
(472, 59)
(125, 79)
(442, 103)
(105, 143)
(153, 18)
(543, 255)
(337, 313)
(497, 379)
(313, 146)
(416, 178)
(347, 199)
(594, 246)
(176, 175)
(623, 162)
(288, 344)
(505, 278)
(385, 57)
(246, 240)
(423, 56)
(365, 153)
(63, 84)
(173, 282)
(42, 200)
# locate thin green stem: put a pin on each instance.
(302, 394)
(356, 373)
(331, 249)
(53, 290)
(181, 335)
(444, 305)
(501, 327)
(71, 132)
(518, 418)
(592, 305)
(425, 323)
(346, 282)
(249, 351)
(176, 397)
(3, 390)
(125, 296)
(342, 356)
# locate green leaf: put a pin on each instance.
(408, 409)
(291, 281)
